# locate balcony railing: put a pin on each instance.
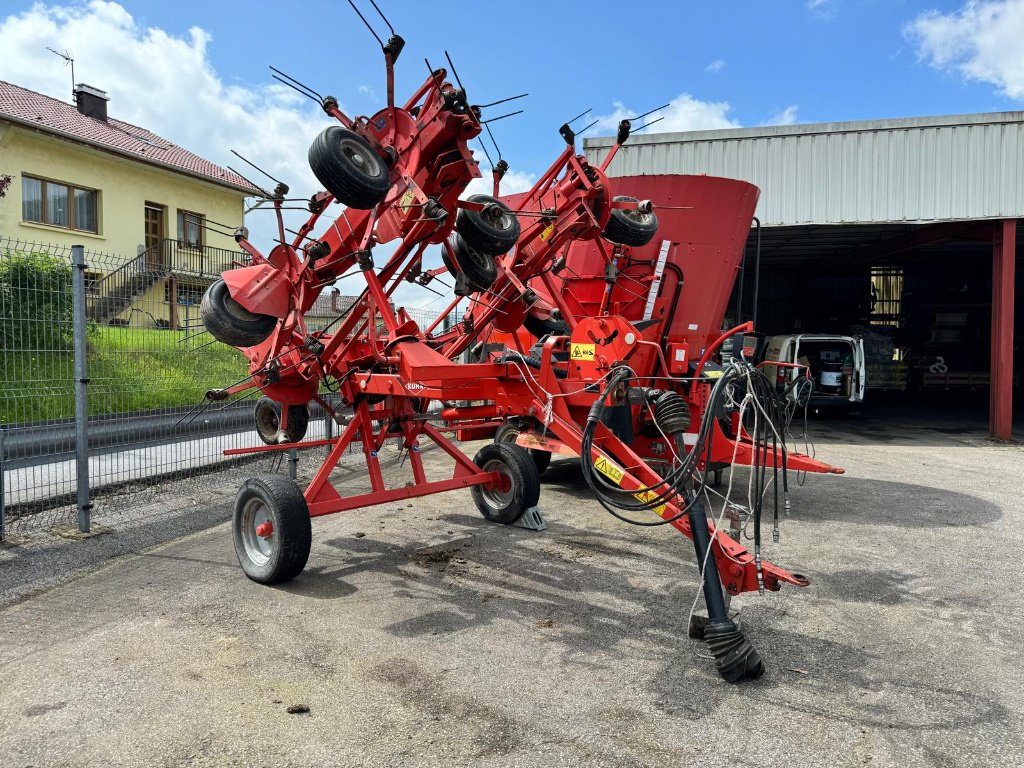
(191, 260)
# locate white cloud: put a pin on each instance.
(825, 9)
(684, 113)
(167, 85)
(513, 181)
(786, 116)
(716, 66)
(981, 41)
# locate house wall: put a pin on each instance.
(125, 186)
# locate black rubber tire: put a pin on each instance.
(630, 227)
(491, 232)
(292, 537)
(541, 328)
(507, 434)
(524, 483)
(349, 168)
(267, 415)
(480, 269)
(229, 322)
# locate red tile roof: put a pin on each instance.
(25, 107)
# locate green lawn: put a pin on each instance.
(130, 369)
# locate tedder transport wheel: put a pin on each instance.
(492, 231)
(518, 490)
(271, 529)
(267, 414)
(229, 322)
(480, 269)
(509, 431)
(349, 168)
(630, 226)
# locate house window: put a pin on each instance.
(188, 293)
(190, 229)
(59, 204)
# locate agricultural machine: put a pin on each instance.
(399, 176)
(674, 288)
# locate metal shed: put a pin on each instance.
(839, 200)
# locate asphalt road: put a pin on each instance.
(420, 635)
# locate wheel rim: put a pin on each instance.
(236, 310)
(510, 436)
(498, 218)
(497, 497)
(257, 548)
(479, 259)
(357, 154)
(267, 420)
(639, 217)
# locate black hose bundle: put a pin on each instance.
(686, 480)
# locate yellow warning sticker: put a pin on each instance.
(407, 199)
(547, 232)
(713, 374)
(609, 470)
(582, 351)
(647, 496)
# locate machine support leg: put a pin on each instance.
(1004, 247)
(712, 583)
(735, 657)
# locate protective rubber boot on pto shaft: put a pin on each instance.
(735, 657)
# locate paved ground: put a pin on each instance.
(436, 639)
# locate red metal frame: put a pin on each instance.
(1004, 250)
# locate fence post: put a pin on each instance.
(3, 489)
(81, 385)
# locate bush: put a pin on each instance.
(35, 302)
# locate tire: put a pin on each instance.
(541, 328)
(480, 269)
(521, 478)
(630, 227)
(491, 232)
(229, 322)
(267, 415)
(282, 554)
(507, 434)
(349, 168)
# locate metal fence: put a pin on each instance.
(117, 413)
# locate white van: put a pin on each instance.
(836, 366)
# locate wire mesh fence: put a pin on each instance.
(149, 362)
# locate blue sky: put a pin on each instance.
(196, 72)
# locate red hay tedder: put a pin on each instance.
(621, 373)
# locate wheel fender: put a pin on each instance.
(261, 289)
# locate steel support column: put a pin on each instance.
(1004, 247)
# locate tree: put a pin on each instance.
(5, 182)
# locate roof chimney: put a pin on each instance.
(92, 102)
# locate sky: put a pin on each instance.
(198, 73)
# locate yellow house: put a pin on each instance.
(153, 215)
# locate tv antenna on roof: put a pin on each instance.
(68, 60)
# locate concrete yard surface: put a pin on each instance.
(419, 634)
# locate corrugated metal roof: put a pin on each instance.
(946, 168)
(43, 113)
